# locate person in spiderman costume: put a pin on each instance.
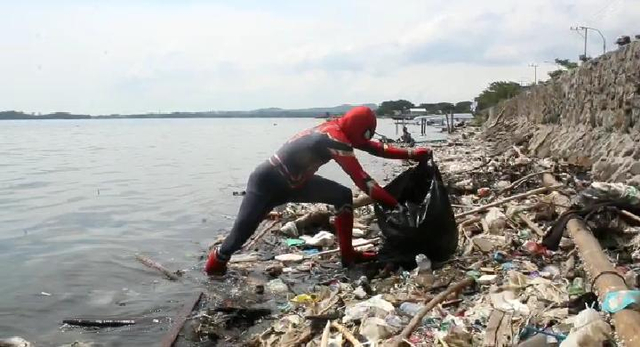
(289, 176)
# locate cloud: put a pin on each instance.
(139, 56)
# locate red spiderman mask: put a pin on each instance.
(359, 124)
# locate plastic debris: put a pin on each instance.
(520, 285)
(304, 299)
(15, 341)
(289, 257)
(617, 301)
(495, 220)
(277, 286)
(294, 242)
(321, 239)
(589, 330)
(290, 229)
(376, 306)
(375, 329)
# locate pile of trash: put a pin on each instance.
(503, 286)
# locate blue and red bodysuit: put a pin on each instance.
(289, 176)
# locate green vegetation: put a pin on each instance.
(388, 107)
(566, 64)
(496, 92)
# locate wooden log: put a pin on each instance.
(505, 200)
(596, 263)
(170, 338)
(260, 234)
(415, 321)
(157, 266)
(100, 323)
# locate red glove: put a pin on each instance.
(422, 153)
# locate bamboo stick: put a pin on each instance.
(157, 266)
(347, 334)
(415, 321)
(505, 200)
(518, 182)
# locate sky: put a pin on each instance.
(117, 56)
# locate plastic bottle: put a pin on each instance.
(576, 287)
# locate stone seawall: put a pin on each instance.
(589, 116)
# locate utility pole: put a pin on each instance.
(535, 73)
(586, 31)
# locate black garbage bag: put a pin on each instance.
(426, 223)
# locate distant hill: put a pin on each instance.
(260, 113)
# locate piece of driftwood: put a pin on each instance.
(347, 334)
(493, 325)
(518, 182)
(499, 330)
(337, 250)
(505, 200)
(306, 336)
(324, 341)
(415, 321)
(533, 226)
(99, 323)
(260, 234)
(630, 215)
(170, 338)
(157, 266)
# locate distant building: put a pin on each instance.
(417, 112)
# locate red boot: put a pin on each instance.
(344, 229)
(215, 266)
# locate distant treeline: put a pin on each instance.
(261, 113)
(9, 115)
